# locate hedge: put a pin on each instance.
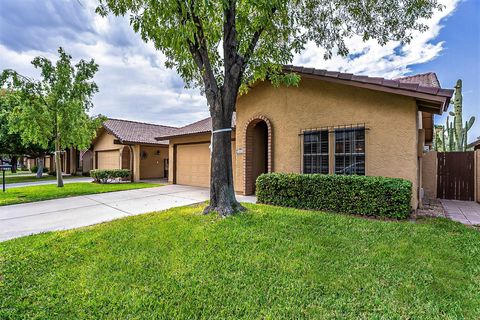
(106, 176)
(34, 169)
(369, 196)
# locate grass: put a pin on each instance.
(19, 172)
(51, 191)
(268, 263)
(32, 178)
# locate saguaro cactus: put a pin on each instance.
(457, 134)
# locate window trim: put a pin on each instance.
(331, 144)
(327, 154)
(350, 155)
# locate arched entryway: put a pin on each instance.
(258, 151)
(126, 158)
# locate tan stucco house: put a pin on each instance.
(333, 123)
(123, 144)
(71, 162)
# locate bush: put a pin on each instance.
(369, 196)
(106, 176)
(34, 169)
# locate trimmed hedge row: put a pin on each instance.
(369, 196)
(34, 169)
(111, 175)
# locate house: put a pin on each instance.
(123, 144)
(332, 123)
(475, 145)
(70, 161)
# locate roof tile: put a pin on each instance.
(424, 83)
(137, 132)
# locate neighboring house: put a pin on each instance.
(333, 122)
(122, 144)
(70, 162)
(475, 145)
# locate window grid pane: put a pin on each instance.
(315, 152)
(350, 151)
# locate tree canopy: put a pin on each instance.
(223, 46)
(56, 107)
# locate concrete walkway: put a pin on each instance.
(41, 183)
(60, 214)
(466, 212)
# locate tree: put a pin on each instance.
(11, 146)
(223, 46)
(55, 107)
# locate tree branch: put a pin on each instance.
(13, 72)
(254, 40)
(199, 49)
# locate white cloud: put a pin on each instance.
(133, 82)
(391, 60)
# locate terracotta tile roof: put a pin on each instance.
(426, 83)
(415, 84)
(202, 126)
(137, 132)
(428, 79)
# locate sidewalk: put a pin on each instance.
(67, 213)
(466, 212)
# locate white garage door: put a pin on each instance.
(193, 165)
(108, 159)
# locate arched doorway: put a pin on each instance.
(258, 151)
(126, 158)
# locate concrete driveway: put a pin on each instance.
(60, 214)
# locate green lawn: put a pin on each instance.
(19, 172)
(51, 191)
(268, 263)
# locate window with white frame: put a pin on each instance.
(350, 151)
(315, 152)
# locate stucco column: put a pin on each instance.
(73, 160)
(136, 163)
(171, 160)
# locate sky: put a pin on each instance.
(135, 85)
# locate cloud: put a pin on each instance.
(391, 60)
(133, 82)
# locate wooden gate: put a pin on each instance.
(456, 175)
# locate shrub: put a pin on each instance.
(369, 196)
(34, 169)
(110, 175)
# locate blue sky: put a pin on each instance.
(460, 59)
(134, 84)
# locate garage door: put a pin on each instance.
(108, 159)
(193, 165)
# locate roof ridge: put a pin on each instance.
(417, 75)
(187, 125)
(140, 122)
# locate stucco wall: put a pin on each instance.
(391, 138)
(152, 165)
(87, 162)
(105, 142)
(429, 175)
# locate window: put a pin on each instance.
(350, 151)
(315, 152)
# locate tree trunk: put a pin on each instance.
(58, 165)
(14, 161)
(40, 168)
(222, 194)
